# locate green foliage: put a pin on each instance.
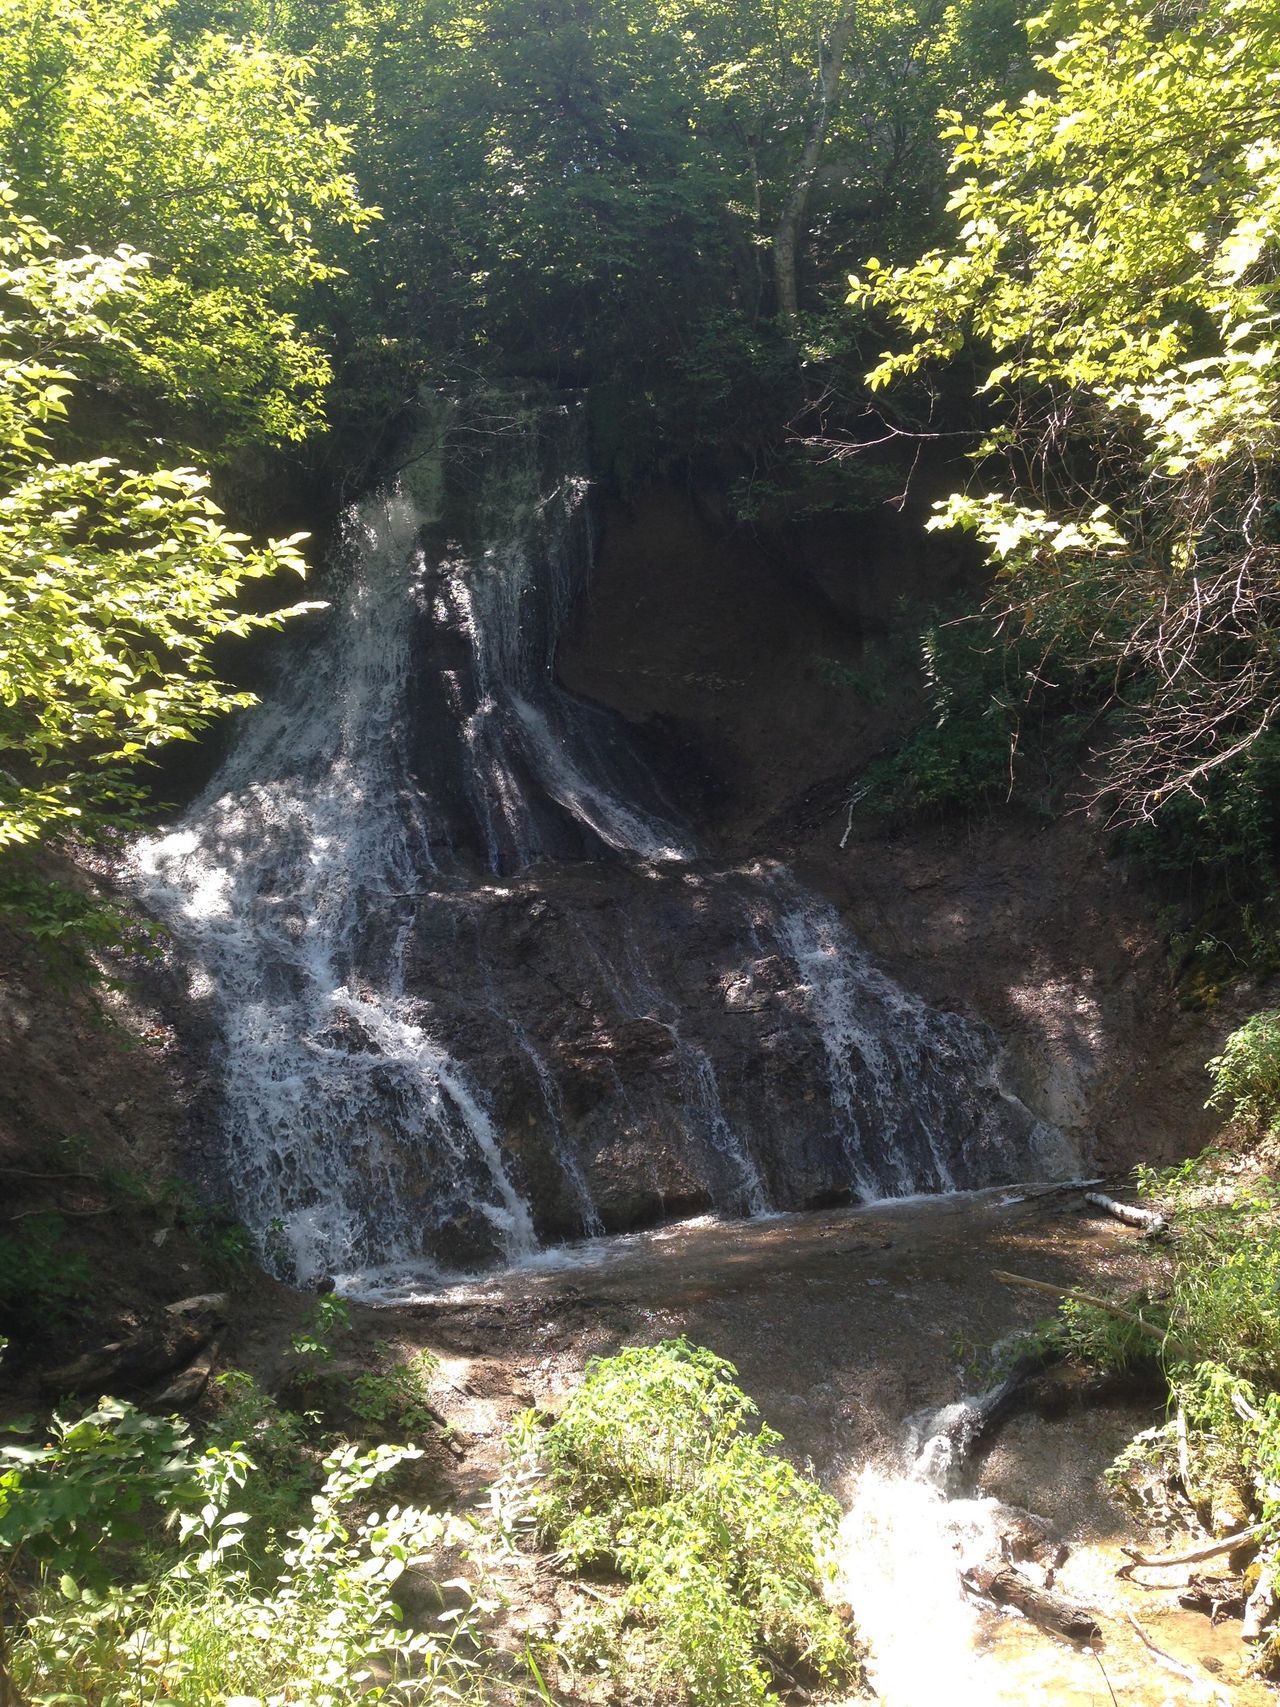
(588, 195)
(1108, 1342)
(84, 1489)
(393, 1402)
(1246, 1076)
(1219, 1451)
(43, 1278)
(1116, 239)
(1224, 1297)
(1214, 857)
(312, 1345)
(113, 583)
(281, 1445)
(961, 758)
(70, 926)
(326, 1633)
(654, 1470)
(87, 1485)
(207, 153)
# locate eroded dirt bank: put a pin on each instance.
(767, 671)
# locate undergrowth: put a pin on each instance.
(658, 1474)
(1218, 1345)
(44, 1281)
(325, 1633)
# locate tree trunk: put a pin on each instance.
(786, 235)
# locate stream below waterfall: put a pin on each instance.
(848, 1326)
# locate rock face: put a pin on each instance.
(472, 984)
(772, 669)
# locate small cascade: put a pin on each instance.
(901, 1075)
(470, 986)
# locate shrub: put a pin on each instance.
(286, 1460)
(654, 1471)
(960, 757)
(394, 1400)
(1224, 1291)
(327, 1633)
(1246, 1076)
(313, 1344)
(1220, 1355)
(84, 1487)
(1117, 1345)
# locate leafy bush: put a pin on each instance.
(327, 1633)
(1220, 1353)
(1215, 858)
(394, 1400)
(1224, 1291)
(652, 1470)
(313, 1345)
(69, 926)
(280, 1443)
(1246, 1076)
(1118, 1345)
(959, 758)
(86, 1486)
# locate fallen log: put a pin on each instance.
(1008, 1587)
(1130, 1213)
(1216, 1597)
(155, 1349)
(188, 1387)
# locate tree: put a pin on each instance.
(1118, 234)
(589, 191)
(114, 583)
(129, 123)
(787, 231)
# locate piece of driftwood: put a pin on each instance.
(1074, 1293)
(1199, 1680)
(1216, 1597)
(1211, 1550)
(187, 1388)
(1130, 1213)
(159, 1347)
(1259, 1606)
(1008, 1587)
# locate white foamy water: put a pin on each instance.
(339, 1109)
(903, 1548)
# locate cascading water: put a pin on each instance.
(290, 885)
(472, 987)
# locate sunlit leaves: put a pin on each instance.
(1118, 232)
(113, 582)
(209, 154)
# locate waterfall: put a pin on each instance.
(470, 983)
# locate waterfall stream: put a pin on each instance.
(470, 984)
